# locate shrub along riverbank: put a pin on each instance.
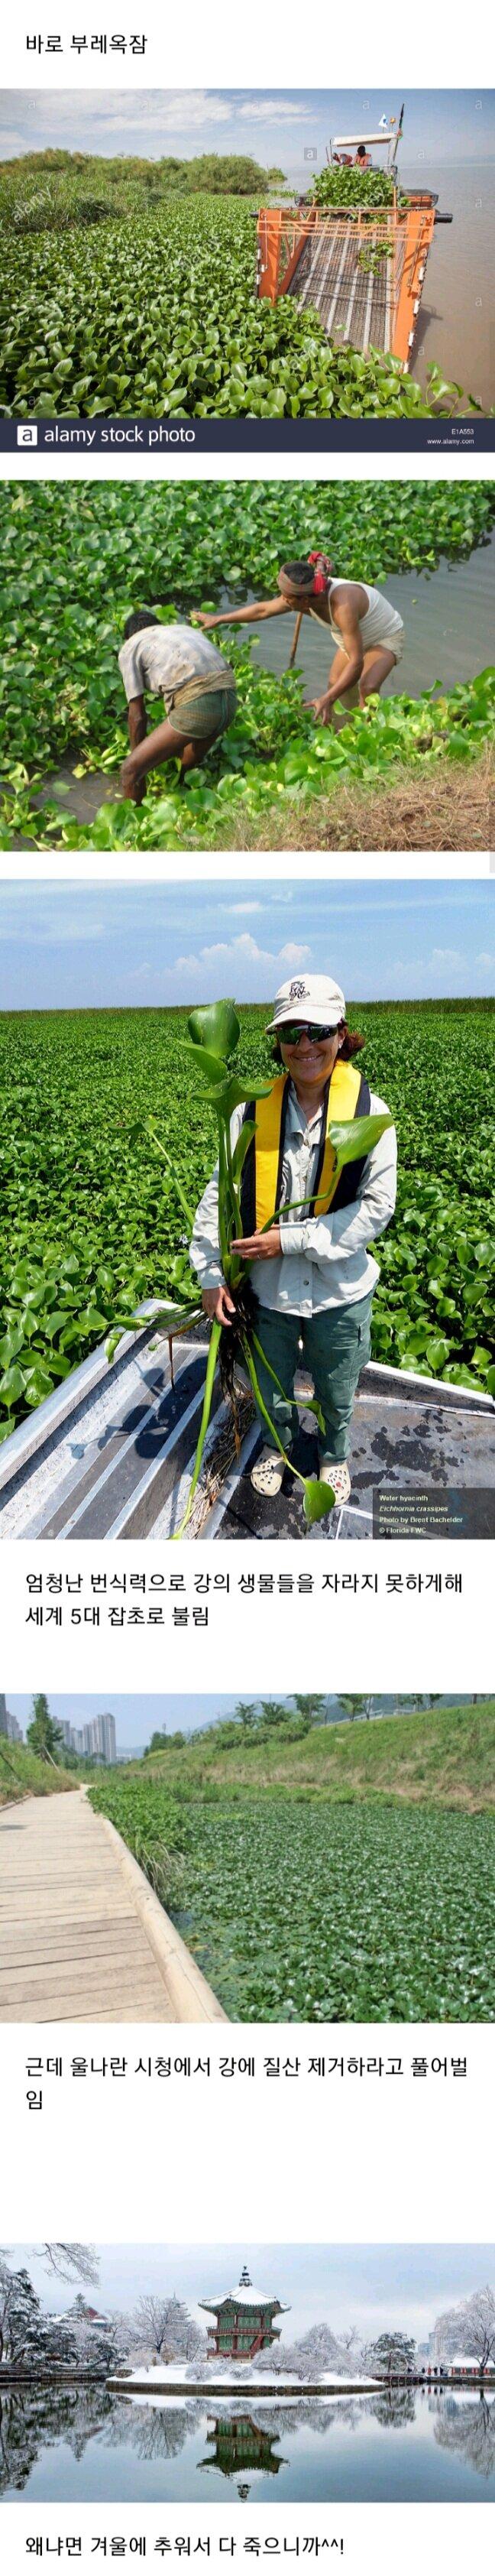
(23, 1775)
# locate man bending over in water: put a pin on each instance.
(365, 628)
(198, 689)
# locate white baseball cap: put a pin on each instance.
(308, 997)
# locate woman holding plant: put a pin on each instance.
(313, 1188)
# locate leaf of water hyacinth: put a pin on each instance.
(248, 1130)
(215, 1025)
(231, 1095)
(213, 1067)
(318, 1499)
(352, 1137)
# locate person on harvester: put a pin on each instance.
(312, 1275)
(198, 688)
(366, 629)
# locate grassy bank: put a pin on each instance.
(437, 1757)
(449, 809)
(22, 1775)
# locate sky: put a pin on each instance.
(369, 2286)
(138, 1715)
(440, 126)
(135, 1716)
(75, 945)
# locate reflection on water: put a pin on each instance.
(81, 2445)
(448, 620)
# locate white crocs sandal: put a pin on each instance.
(267, 1475)
(334, 1471)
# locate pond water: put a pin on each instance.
(82, 2446)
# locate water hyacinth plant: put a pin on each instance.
(212, 1042)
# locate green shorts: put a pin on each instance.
(198, 713)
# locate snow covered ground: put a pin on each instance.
(160, 2377)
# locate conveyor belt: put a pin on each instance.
(353, 303)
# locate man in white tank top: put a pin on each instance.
(366, 630)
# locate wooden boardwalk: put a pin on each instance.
(73, 1942)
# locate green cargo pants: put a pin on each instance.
(336, 1343)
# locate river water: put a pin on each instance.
(455, 326)
(77, 2446)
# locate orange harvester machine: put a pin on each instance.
(329, 261)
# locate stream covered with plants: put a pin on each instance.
(136, 301)
(75, 560)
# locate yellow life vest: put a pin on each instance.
(347, 1092)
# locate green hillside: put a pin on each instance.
(22, 1774)
(441, 1757)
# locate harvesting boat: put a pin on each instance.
(110, 1454)
(360, 267)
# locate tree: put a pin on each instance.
(163, 1743)
(391, 2355)
(43, 1735)
(20, 2313)
(358, 1703)
(72, 2262)
(274, 1712)
(312, 1706)
(477, 2325)
(246, 1714)
(164, 2325)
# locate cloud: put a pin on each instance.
(285, 111)
(238, 965)
(60, 117)
(447, 957)
(243, 907)
(485, 958)
(245, 946)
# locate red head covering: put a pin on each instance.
(323, 568)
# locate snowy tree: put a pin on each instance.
(391, 2355)
(71, 2262)
(315, 2352)
(20, 2313)
(164, 2326)
(478, 2327)
(468, 2328)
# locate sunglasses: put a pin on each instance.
(304, 1029)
